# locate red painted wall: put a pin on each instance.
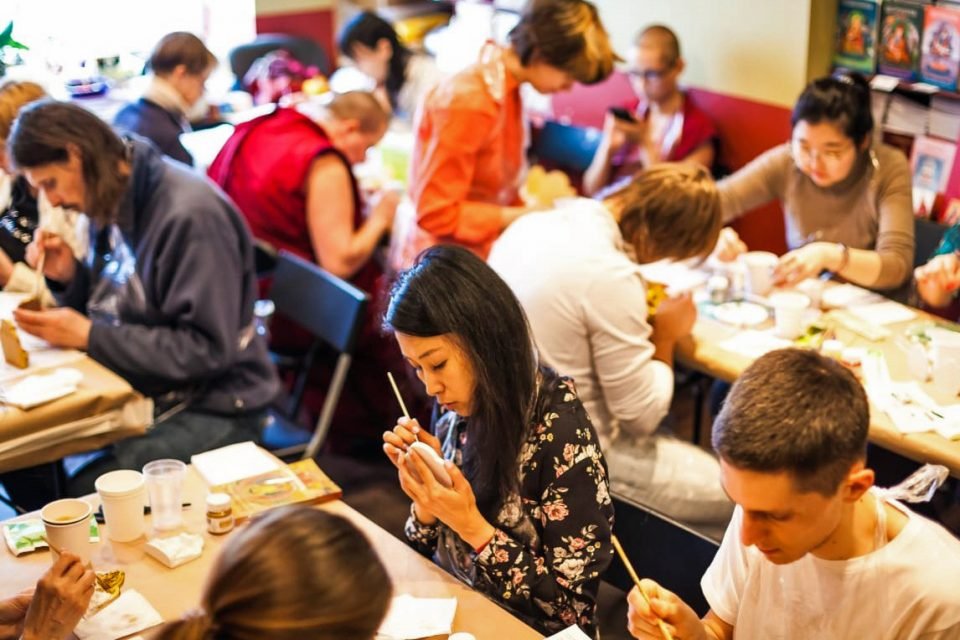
(318, 25)
(747, 128)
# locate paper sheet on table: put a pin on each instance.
(753, 344)
(848, 295)
(130, 613)
(910, 408)
(234, 462)
(411, 617)
(678, 276)
(570, 633)
(888, 312)
(38, 389)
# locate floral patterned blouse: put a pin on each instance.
(552, 541)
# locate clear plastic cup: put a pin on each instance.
(945, 347)
(165, 485)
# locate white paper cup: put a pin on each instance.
(759, 271)
(123, 494)
(67, 526)
(165, 484)
(946, 361)
(813, 289)
(788, 312)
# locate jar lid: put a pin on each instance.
(218, 501)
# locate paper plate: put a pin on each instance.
(741, 314)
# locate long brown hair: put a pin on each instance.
(295, 573)
(42, 135)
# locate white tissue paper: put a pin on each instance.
(40, 388)
(71, 226)
(175, 550)
(128, 614)
(570, 633)
(411, 617)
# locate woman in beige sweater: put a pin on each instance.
(846, 200)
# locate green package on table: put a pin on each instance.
(25, 536)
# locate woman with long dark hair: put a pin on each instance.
(401, 74)
(528, 518)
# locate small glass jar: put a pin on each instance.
(219, 513)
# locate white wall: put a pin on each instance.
(756, 49)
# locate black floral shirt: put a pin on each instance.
(552, 541)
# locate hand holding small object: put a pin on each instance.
(729, 246)
(455, 506)
(407, 431)
(60, 600)
(52, 256)
(649, 612)
(806, 262)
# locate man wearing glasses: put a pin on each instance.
(661, 125)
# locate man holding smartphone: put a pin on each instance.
(660, 126)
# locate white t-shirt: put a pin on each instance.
(908, 589)
(587, 306)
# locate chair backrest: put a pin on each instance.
(927, 237)
(303, 49)
(565, 146)
(323, 304)
(663, 550)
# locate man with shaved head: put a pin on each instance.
(659, 125)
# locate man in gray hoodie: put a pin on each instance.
(165, 298)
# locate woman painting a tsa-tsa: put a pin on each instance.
(468, 154)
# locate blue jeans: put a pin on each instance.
(179, 437)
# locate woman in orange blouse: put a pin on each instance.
(468, 156)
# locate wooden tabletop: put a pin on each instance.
(104, 409)
(704, 351)
(174, 591)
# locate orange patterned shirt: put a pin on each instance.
(468, 156)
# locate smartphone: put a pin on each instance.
(622, 114)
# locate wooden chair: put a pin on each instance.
(332, 310)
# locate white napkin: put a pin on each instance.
(71, 226)
(848, 295)
(411, 617)
(41, 388)
(754, 344)
(679, 277)
(175, 550)
(570, 633)
(887, 312)
(128, 614)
